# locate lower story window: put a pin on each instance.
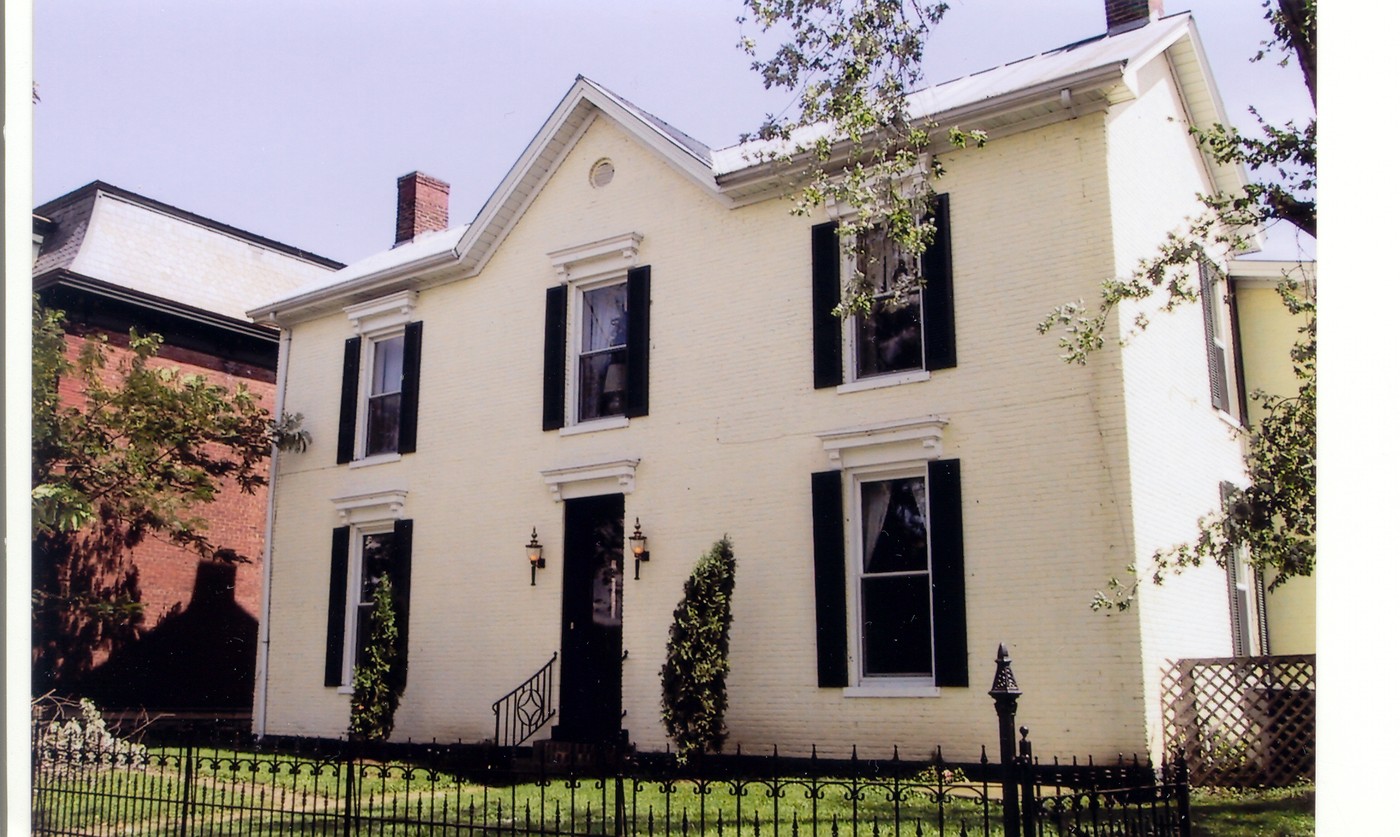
(895, 600)
(364, 558)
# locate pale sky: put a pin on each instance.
(293, 119)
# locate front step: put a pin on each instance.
(560, 756)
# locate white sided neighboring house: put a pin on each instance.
(635, 333)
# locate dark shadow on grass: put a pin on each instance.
(1287, 813)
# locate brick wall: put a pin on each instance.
(236, 520)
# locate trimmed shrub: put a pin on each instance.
(693, 697)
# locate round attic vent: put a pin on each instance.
(601, 174)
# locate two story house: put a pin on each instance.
(634, 337)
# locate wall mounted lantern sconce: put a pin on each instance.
(535, 552)
(639, 548)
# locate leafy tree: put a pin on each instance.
(1273, 518)
(145, 448)
(376, 696)
(693, 696)
(853, 63)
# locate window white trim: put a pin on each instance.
(377, 459)
(575, 350)
(353, 582)
(880, 685)
(893, 379)
(595, 425)
(885, 443)
(384, 314)
(368, 347)
(611, 477)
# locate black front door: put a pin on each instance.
(590, 665)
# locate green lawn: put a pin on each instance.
(1287, 812)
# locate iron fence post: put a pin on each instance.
(186, 788)
(1005, 692)
(1183, 795)
(1029, 809)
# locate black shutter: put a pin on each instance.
(401, 577)
(408, 394)
(826, 295)
(940, 347)
(829, 577)
(335, 606)
(949, 590)
(638, 339)
(1215, 351)
(349, 400)
(556, 302)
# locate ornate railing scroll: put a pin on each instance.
(527, 708)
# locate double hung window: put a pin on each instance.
(901, 337)
(379, 383)
(596, 350)
(602, 357)
(1215, 312)
(889, 576)
(895, 600)
(364, 557)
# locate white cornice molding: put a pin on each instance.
(386, 312)
(371, 507)
(596, 258)
(883, 443)
(611, 477)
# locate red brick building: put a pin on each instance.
(113, 260)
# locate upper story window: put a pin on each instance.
(900, 339)
(385, 396)
(597, 337)
(602, 356)
(379, 384)
(1218, 327)
(890, 337)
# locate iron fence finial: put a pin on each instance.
(1004, 681)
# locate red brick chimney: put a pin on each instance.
(422, 206)
(1126, 15)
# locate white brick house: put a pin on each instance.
(635, 330)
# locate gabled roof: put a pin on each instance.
(1087, 75)
(128, 241)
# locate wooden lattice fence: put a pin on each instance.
(1243, 721)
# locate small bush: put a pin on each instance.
(376, 697)
(693, 696)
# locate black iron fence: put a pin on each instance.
(86, 781)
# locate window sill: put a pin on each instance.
(895, 689)
(1230, 420)
(892, 380)
(609, 423)
(345, 690)
(377, 459)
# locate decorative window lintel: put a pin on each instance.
(904, 440)
(572, 481)
(371, 507)
(596, 258)
(382, 314)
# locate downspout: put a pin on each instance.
(284, 343)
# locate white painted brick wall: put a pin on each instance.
(728, 448)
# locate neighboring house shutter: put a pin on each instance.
(401, 575)
(826, 295)
(829, 577)
(335, 607)
(408, 398)
(555, 327)
(949, 590)
(638, 339)
(1215, 350)
(940, 347)
(349, 400)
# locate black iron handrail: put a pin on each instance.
(528, 707)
